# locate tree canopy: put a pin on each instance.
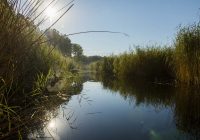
(68, 49)
(62, 42)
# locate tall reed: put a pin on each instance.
(150, 64)
(187, 54)
(26, 61)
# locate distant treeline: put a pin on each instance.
(179, 63)
(68, 49)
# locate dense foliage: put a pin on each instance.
(60, 41)
(67, 48)
(177, 64)
(146, 64)
(187, 54)
(30, 68)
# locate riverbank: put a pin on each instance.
(32, 71)
(177, 64)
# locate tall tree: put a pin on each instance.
(77, 51)
(62, 42)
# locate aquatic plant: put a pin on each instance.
(177, 64)
(27, 62)
(144, 64)
(187, 54)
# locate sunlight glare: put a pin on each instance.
(52, 124)
(50, 12)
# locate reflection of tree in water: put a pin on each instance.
(88, 76)
(186, 107)
(184, 102)
(149, 94)
(187, 112)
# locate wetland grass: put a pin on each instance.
(176, 64)
(27, 64)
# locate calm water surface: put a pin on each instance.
(116, 111)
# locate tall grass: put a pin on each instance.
(27, 63)
(187, 55)
(22, 55)
(144, 64)
(176, 64)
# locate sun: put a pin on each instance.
(50, 12)
(52, 124)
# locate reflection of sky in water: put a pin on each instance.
(98, 113)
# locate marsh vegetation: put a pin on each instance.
(30, 67)
(177, 64)
(39, 71)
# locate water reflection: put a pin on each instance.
(187, 112)
(144, 93)
(120, 109)
(185, 102)
(56, 109)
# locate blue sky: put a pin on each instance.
(147, 22)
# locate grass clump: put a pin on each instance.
(178, 64)
(27, 64)
(187, 55)
(146, 64)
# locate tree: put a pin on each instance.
(62, 42)
(77, 51)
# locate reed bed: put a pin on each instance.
(27, 62)
(187, 55)
(176, 64)
(150, 64)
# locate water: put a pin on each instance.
(113, 110)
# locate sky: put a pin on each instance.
(148, 22)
